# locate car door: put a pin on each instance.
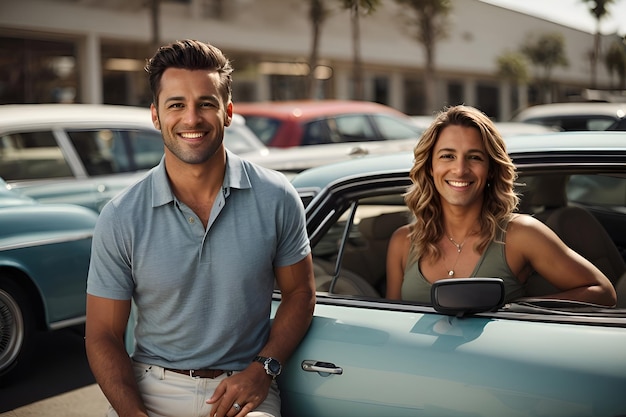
(363, 358)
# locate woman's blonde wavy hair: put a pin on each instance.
(500, 199)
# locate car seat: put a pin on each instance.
(348, 282)
(582, 232)
(368, 257)
(543, 194)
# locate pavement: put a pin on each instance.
(88, 401)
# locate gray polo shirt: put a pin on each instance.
(203, 296)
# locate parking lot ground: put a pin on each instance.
(83, 402)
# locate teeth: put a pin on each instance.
(458, 183)
(194, 135)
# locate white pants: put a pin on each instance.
(170, 394)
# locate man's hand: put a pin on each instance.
(247, 389)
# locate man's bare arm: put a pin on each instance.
(108, 359)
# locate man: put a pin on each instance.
(198, 245)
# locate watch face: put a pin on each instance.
(273, 366)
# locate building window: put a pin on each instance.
(487, 99)
(381, 90)
(38, 71)
(124, 80)
(455, 93)
(414, 96)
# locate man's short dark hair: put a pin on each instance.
(192, 55)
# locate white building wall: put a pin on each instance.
(279, 30)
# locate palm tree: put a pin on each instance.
(513, 67)
(317, 16)
(598, 8)
(615, 62)
(428, 23)
(546, 51)
(358, 7)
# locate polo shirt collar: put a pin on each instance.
(235, 176)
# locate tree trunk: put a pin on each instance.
(595, 57)
(311, 80)
(430, 82)
(356, 47)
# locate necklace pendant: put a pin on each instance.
(451, 273)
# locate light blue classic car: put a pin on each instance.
(468, 354)
(44, 258)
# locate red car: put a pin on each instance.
(300, 123)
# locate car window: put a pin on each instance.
(352, 128)
(578, 123)
(240, 139)
(598, 190)
(95, 149)
(354, 246)
(31, 155)
(111, 151)
(146, 148)
(391, 128)
(599, 124)
(318, 132)
(264, 127)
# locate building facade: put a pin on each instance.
(93, 51)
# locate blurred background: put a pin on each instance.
(414, 55)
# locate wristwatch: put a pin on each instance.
(272, 366)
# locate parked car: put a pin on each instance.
(44, 259)
(291, 161)
(470, 354)
(294, 160)
(505, 128)
(536, 357)
(285, 124)
(85, 154)
(574, 116)
(508, 129)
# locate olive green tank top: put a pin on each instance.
(492, 264)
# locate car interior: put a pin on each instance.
(31, 155)
(587, 210)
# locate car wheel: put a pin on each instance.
(16, 325)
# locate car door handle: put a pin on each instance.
(358, 151)
(322, 368)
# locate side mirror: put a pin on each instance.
(461, 296)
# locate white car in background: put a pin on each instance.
(85, 154)
(574, 116)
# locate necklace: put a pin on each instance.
(459, 248)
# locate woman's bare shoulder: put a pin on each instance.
(524, 226)
(524, 220)
(402, 232)
(400, 237)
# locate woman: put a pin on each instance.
(463, 202)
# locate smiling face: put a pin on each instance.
(191, 114)
(460, 166)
